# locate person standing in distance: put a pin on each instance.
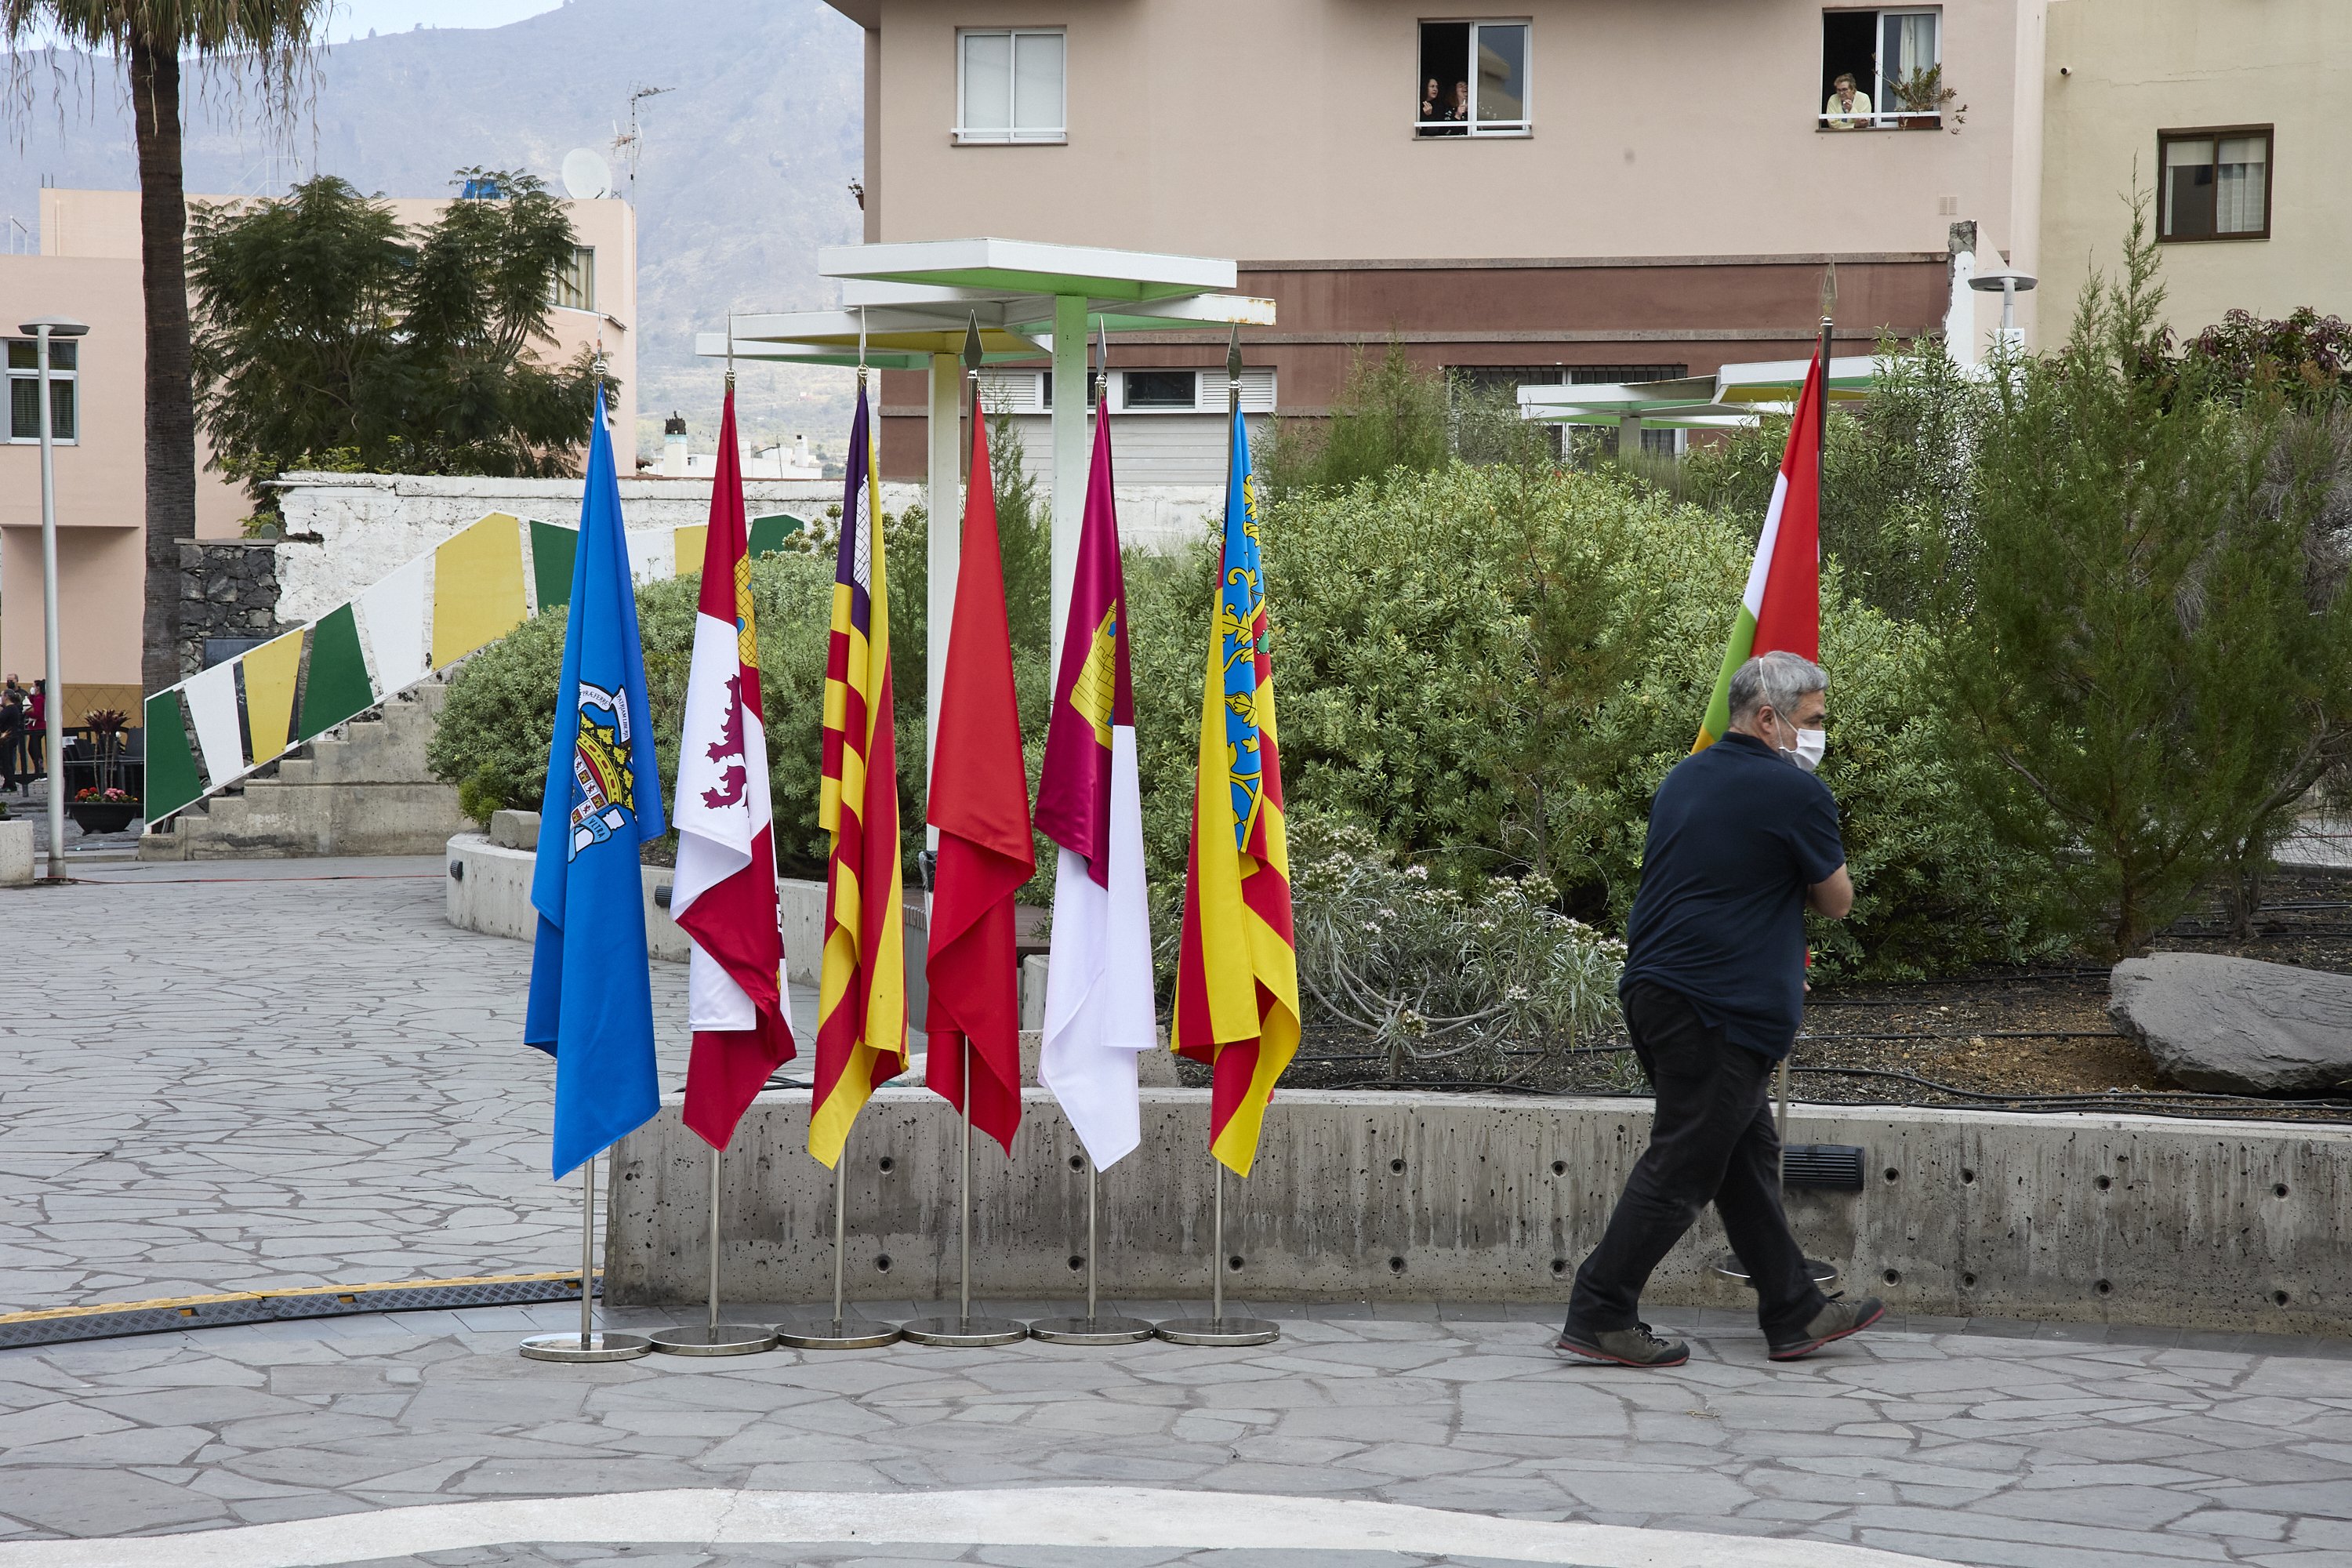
(1743, 839)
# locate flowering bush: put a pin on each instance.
(109, 796)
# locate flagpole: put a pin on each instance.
(840, 1332)
(1217, 1329)
(963, 1330)
(1730, 1266)
(587, 1344)
(1094, 1329)
(714, 1338)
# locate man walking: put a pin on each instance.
(1743, 839)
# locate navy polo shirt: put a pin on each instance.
(1737, 836)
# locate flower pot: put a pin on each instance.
(103, 816)
(1932, 122)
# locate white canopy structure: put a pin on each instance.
(1732, 397)
(913, 302)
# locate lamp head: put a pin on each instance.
(54, 327)
(1996, 279)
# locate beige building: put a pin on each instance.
(88, 268)
(1586, 191)
(2235, 118)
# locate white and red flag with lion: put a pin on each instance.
(724, 896)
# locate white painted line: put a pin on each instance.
(1042, 1515)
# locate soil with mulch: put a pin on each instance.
(1994, 1040)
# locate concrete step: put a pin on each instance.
(361, 789)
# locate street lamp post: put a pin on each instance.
(53, 704)
(2010, 282)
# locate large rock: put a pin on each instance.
(2238, 1025)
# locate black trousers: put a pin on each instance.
(1712, 1142)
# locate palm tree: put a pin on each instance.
(267, 41)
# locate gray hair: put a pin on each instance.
(1778, 680)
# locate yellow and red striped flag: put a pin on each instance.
(1237, 967)
(861, 1031)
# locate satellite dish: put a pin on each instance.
(586, 176)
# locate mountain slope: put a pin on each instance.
(744, 175)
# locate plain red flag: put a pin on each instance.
(980, 804)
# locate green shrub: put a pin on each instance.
(1491, 669)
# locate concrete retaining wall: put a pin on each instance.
(1382, 1197)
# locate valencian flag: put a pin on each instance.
(592, 1001)
(1781, 610)
(725, 892)
(861, 1031)
(980, 802)
(1099, 1010)
(1237, 968)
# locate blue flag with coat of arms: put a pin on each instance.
(592, 1003)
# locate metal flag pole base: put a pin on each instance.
(1728, 1266)
(1094, 1329)
(1217, 1329)
(588, 1344)
(964, 1331)
(713, 1337)
(806, 1331)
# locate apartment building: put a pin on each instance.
(88, 268)
(1589, 191)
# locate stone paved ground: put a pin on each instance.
(1960, 1448)
(281, 1073)
(231, 1075)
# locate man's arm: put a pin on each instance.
(1833, 895)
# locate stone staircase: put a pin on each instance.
(363, 788)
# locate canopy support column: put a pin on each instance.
(946, 503)
(1069, 453)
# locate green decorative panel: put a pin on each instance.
(551, 549)
(769, 533)
(172, 780)
(338, 685)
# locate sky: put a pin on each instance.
(353, 18)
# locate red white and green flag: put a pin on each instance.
(1781, 610)
(725, 892)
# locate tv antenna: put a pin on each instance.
(629, 143)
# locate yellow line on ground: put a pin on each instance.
(186, 1301)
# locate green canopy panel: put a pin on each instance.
(337, 687)
(172, 780)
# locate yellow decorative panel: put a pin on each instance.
(477, 587)
(692, 540)
(269, 674)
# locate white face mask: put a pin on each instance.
(1811, 745)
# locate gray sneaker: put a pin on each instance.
(1636, 1346)
(1834, 1321)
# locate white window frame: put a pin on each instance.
(555, 284)
(1012, 136)
(1447, 129)
(33, 374)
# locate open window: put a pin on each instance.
(2216, 183)
(1473, 79)
(1882, 69)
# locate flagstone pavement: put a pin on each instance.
(274, 1074)
(245, 1074)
